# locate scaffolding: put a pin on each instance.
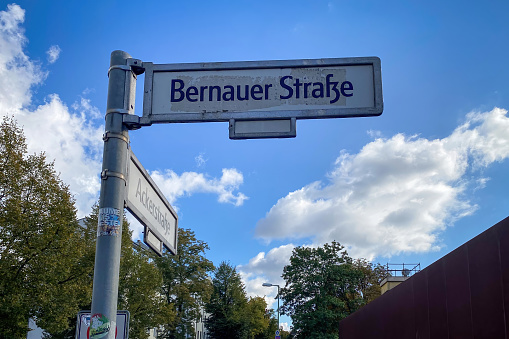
(402, 270)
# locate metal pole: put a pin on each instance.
(278, 323)
(121, 93)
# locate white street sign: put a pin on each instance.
(262, 90)
(146, 202)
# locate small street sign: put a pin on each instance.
(148, 204)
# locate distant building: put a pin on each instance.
(199, 328)
(397, 273)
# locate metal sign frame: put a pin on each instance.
(149, 117)
(140, 216)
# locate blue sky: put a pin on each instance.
(409, 186)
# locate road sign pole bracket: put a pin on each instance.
(134, 122)
(136, 66)
(108, 135)
(105, 174)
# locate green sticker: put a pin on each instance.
(99, 326)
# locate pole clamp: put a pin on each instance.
(122, 67)
(133, 65)
(122, 137)
(105, 174)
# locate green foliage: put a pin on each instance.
(232, 314)
(47, 258)
(227, 304)
(39, 241)
(256, 317)
(372, 276)
(88, 229)
(186, 284)
(323, 286)
(139, 284)
(139, 288)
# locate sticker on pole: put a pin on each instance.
(99, 327)
(109, 222)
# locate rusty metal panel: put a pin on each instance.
(503, 241)
(463, 295)
(459, 309)
(402, 307)
(437, 298)
(486, 286)
(420, 282)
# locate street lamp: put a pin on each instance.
(271, 285)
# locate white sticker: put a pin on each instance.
(109, 222)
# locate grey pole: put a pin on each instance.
(271, 285)
(121, 94)
(278, 323)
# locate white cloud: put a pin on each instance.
(136, 227)
(285, 326)
(374, 134)
(69, 137)
(175, 186)
(53, 53)
(64, 134)
(17, 72)
(200, 160)
(485, 135)
(266, 267)
(396, 194)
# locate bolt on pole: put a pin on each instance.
(121, 94)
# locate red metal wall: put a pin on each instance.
(463, 295)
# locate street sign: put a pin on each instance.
(259, 99)
(146, 202)
(83, 325)
(261, 90)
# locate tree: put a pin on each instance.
(323, 286)
(186, 283)
(88, 231)
(372, 276)
(139, 289)
(227, 304)
(47, 257)
(39, 240)
(271, 316)
(139, 284)
(257, 318)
